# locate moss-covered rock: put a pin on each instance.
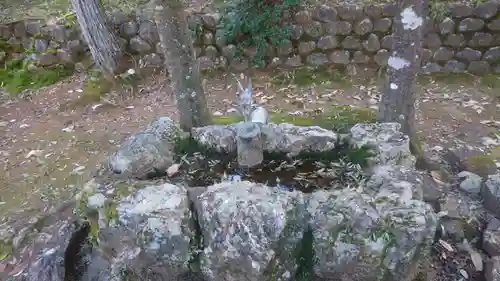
(482, 165)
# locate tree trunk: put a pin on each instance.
(398, 100)
(103, 43)
(181, 64)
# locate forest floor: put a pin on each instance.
(53, 139)
(48, 148)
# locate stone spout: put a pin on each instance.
(249, 139)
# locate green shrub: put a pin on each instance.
(255, 24)
(15, 76)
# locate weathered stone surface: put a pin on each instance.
(5, 31)
(460, 10)
(454, 66)
(157, 219)
(478, 67)
(374, 11)
(390, 10)
(470, 182)
(303, 17)
(492, 269)
(284, 138)
(494, 25)
(447, 26)
(46, 59)
(363, 27)
(455, 40)
(314, 29)
(338, 28)
(443, 54)
(152, 60)
(33, 27)
(210, 20)
(117, 17)
(139, 45)
(387, 42)
(491, 238)
(327, 42)
(296, 31)
(58, 33)
(464, 216)
(486, 10)
(294, 61)
(148, 153)
(426, 55)
(360, 57)
(148, 32)
(211, 52)
(285, 49)
(129, 29)
(492, 55)
(350, 12)
(382, 25)
(491, 194)
(371, 44)
(27, 43)
(481, 39)
(357, 236)
(392, 146)
(432, 41)
(317, 59)
(229, 51)
(325, 13)
(206, 63)
(351, 43)
(305, 48)
(340, 57)
(381, 57)
(264, 227)
(468, 55)
(470, 24)
(208, 38)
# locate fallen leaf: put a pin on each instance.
(436, 177)
(172, 170)
(446, 245)
(464, 273)
(34, 152)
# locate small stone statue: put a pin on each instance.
(250, 141)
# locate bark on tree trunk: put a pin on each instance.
(181, 64)
(398, 100)
(103, 43)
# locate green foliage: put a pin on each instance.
(15, 76)
(438, 10)
(255, 24)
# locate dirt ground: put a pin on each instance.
(47, 150)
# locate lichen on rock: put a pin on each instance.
(250, 231)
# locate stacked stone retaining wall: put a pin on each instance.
(467, 40)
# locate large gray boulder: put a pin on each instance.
(283, 138)
(147, 154)
(250, 231)
(491, 194)
(151, 231)
(390, 144)
(358, 237)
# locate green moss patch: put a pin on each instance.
(15, 76)
(338, 118)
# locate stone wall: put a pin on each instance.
(469, 39)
